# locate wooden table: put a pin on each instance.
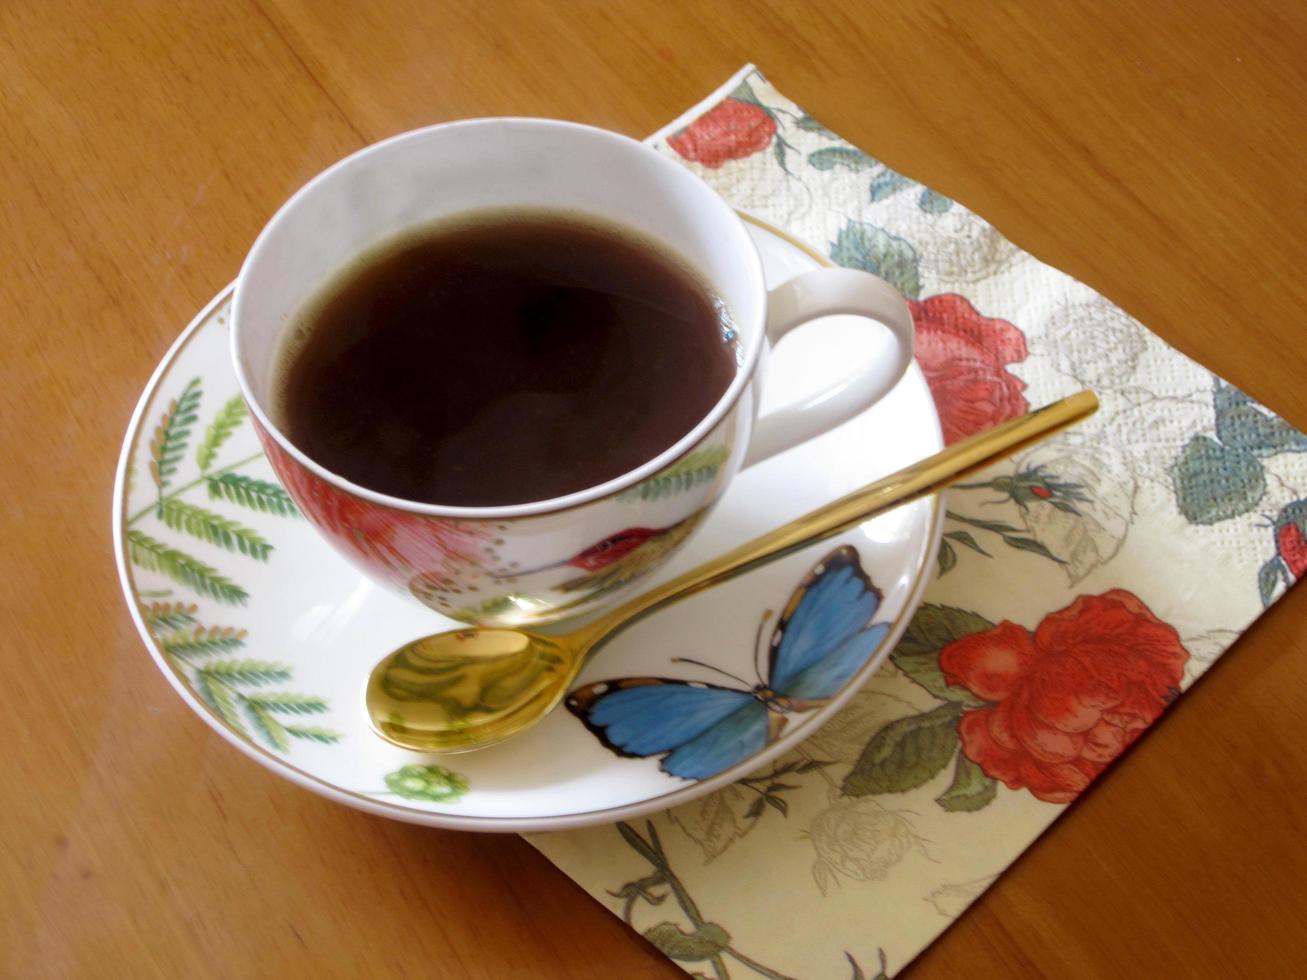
(1153, 150)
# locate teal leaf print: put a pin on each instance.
(846, 157)
(970, 790)
(1268, 579)
(905, 753)
(887, 184)
(1241, 424)
(1214, 482)
(810, 125)
(933, 202)
(434, 784)
(864, 246)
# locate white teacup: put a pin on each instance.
(543, 560)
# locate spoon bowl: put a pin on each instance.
(472, 687)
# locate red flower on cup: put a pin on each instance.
(1068, 697)
(394, 545)
(964, 357)
(730, 130)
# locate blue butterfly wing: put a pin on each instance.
(827, 611)
(642, 716)
(824, 678)
(739, 735)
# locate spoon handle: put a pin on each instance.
(928, 476)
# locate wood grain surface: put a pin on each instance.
(1153, 150)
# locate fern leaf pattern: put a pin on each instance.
(202, 642)
(226, 422)
(288, 702)
(312, 733)
(213, 528)
(155, 556)
(245, 671)
(169, 615)
(222, 699)
(173, 433)
(693, 470)
(273, 732)
(243, 692)
(260, 495)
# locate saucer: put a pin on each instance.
(269, 636)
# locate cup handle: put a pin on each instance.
(827, 292)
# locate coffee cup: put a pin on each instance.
(543, 560)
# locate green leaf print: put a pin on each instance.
(229, 686)
(685, 474)
(707, 941)
(434, 784)
(260, 495)
(864, 246)
(970, 790)
(213, 528)
(245, 671)
(169, 615)
(288, 702)
(947, 558)
(917, 654)
(201, 641)
(226, 422)
(155, 556)
(171, 435)
(905, 753)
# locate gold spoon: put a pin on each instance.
(469, 688)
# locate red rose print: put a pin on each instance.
(1290, 541)
(391, 544)
(963, 355)
(728, 131)
(1068, 697)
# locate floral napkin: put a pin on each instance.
(1069, 605)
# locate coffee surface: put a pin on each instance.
(509, 358)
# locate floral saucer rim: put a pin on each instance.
(360, 800)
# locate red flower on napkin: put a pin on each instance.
(728, 131)
(1069, 696)
(1290, 541)
(964, 356)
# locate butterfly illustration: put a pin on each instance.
(824, 636)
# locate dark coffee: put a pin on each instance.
(513, 357)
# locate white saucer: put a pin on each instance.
(269, 636)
